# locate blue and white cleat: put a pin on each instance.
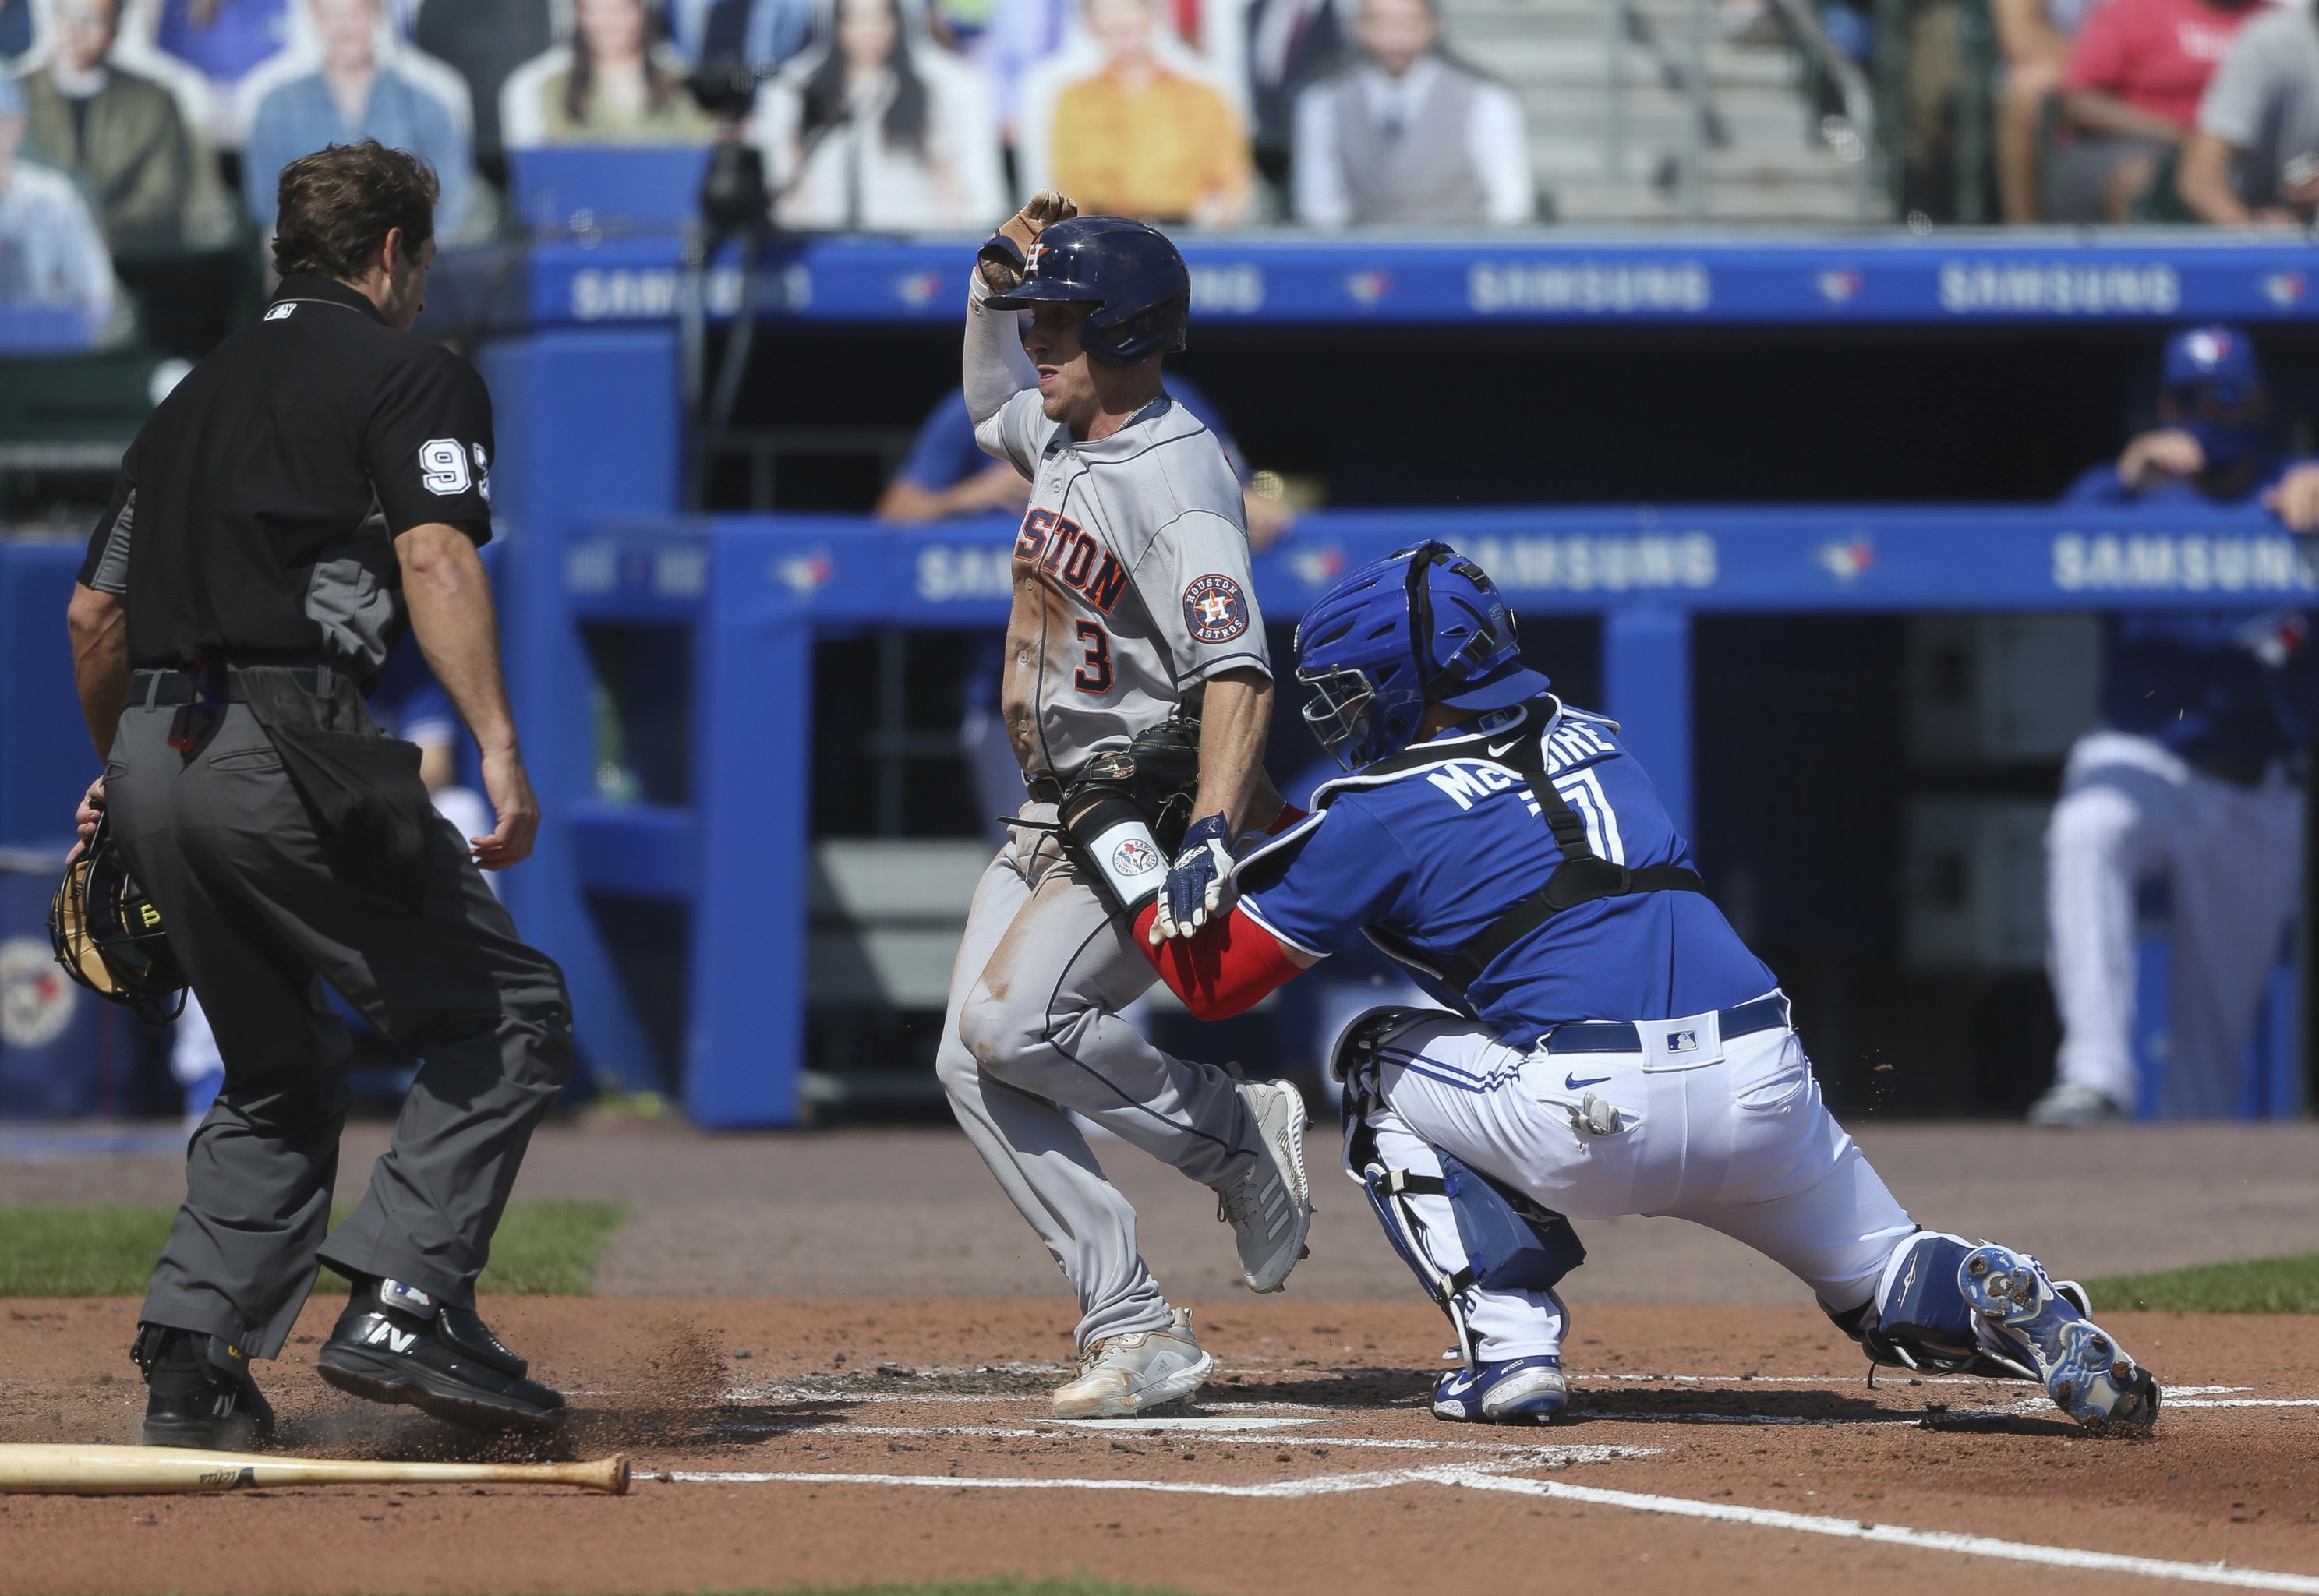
(1517, 1390)
(2083, 1367)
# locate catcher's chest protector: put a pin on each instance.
(1582, 877)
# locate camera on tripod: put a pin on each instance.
(733, 190)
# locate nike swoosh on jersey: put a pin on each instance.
(1571, 1083)
(1498, 749)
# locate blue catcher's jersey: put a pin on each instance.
(1433, 855)
(2225, 689)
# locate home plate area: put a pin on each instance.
(1747, 1436)
(833, 1442)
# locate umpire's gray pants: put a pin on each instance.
(261, 918)
(1033, 1029)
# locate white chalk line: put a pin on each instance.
(1193, 1423)
(1930, 1540)
(1495, 1477)
(2168, 1400)
(1309, 1486)
(1133, 1428)
(1832, 1382)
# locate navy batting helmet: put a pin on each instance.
(1131, 274)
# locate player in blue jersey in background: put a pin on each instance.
(1615, 1048)
(2194, 775)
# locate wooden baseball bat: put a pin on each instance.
(166, 1471)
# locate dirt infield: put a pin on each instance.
(887, 1438)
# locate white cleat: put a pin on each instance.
(2068, 1107)
(1270, 1207)
(1123, 1374)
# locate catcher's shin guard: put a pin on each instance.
(1480, 1233)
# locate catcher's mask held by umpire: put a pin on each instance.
(1129, 274)
(109, 937)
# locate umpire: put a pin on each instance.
(315, 486)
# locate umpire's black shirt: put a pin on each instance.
(256, 514)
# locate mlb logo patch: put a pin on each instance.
(1214, 609)
(1683, 1042)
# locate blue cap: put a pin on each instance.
(2219, 358)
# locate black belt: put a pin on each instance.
(1625, 1036)
(1044, 788)
(164, 690)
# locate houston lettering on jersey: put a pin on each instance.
(1057, 547)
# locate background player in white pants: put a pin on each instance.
(2195, 774)
(1618, 1049)
(1132, 603)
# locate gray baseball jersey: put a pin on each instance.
(1131, 578)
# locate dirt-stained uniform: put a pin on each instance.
(1131, 590)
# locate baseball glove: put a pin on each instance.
(1157, 773)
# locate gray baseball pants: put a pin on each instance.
(1033, 1029)
(260, 918)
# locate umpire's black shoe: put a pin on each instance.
(395, 1344)
(198, 1391)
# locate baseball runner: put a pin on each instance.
(2195, 774)
(1132, 610)
(1617, 1049)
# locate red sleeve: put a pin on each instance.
(1225, 970)
(2098, 59)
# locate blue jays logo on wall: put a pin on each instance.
(1214, 611)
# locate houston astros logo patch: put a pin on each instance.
(1214, 611)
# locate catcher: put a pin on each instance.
(1133, 615)
(1616, 1049)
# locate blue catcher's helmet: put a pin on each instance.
(1131, 274)
(1422, 626)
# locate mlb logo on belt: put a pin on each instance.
(1683, 1042)
(1214, 611)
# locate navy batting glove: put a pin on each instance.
(1196, 884)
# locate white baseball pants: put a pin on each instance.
(1733, 1136)
(1033, 1030)
(2131, 810)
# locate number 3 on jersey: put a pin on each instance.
(1093, 676)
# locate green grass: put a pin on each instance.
(2257, 1285)
(59, 1250)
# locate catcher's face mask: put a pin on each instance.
(1337, 712)
(108, 936)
